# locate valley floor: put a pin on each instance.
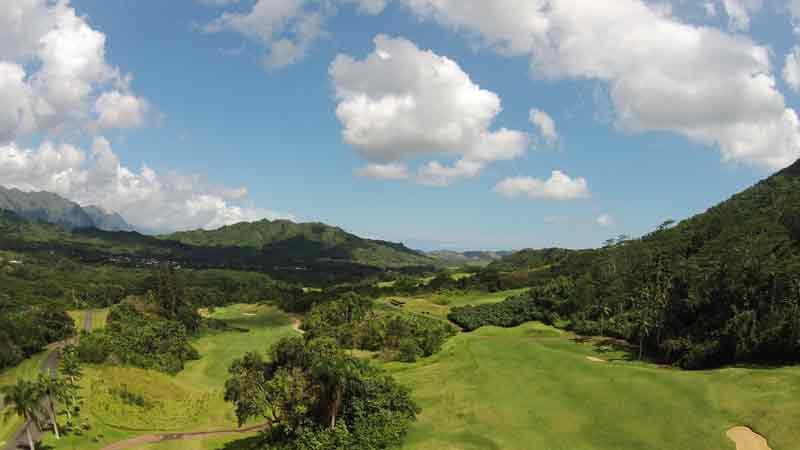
(512, 389)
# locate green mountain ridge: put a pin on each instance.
(303, 241)
(717, 288)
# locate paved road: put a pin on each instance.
(49, 366)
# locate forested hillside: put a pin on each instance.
(718, 288)
(304, 241)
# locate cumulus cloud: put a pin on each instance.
(677, 77)
(791, 69)
(287, 28)
(117, 109)
(558, 187)
(53, 70)
(401, 103)
(546, 126)
(794, 10)
(391, 171)
(605, 220)
(148, 200)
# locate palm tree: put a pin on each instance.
(52, 387)
(70, 367)
(23, 400)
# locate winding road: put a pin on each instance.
(49, 366)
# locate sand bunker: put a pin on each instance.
(597, 360)
(746, 439)
(249, 314)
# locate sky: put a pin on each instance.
(444, 124)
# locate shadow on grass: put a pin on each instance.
(251, 443)
(619, 349)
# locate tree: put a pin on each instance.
(70, 367)
(53, 388)
(335, 375)
(23, 400)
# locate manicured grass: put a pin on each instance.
(28, 369)
(438, 305)
(99, 318)
(533, 387)
(189, 401)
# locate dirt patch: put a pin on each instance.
(151, 438)
(747, 439)
(296, 326)
(595, 359)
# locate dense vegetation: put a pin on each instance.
(316, 397)
(150, 333)
(719, 288)
(353, 323)
(25, 331)
(303, 242)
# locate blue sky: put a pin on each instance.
(207, 116)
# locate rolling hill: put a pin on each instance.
(304, 241)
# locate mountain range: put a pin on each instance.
(52, 208)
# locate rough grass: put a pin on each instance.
(190, 401)
(438, 305)
(533, 387)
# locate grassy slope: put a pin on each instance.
(28, 369)
(439, 305)
(190, 401)
(526, 388)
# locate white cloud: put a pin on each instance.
(559, 187)
(52, 69)
(148, 200)
(546, 126)
(117, 109)
(287, 28)
(662, 74)
(791, 69)
(739, 12)
(401, 102)
(606, 220)
(391, 171)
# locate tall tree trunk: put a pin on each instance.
(53, 416)
(641, 348)
(30, 438)
(337, 401)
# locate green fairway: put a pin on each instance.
(438, 305)
(532, 387)
(190, 401)
(99, 318)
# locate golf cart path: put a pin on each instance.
(200, 435)
(747, 439)
(49, 366)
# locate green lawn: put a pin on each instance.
(532, 387)
(190, 401)
(438, 305)
(99, 318)
(28, 369)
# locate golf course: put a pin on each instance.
(532, 386)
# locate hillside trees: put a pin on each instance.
(316, 397)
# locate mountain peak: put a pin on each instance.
(793, 170)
